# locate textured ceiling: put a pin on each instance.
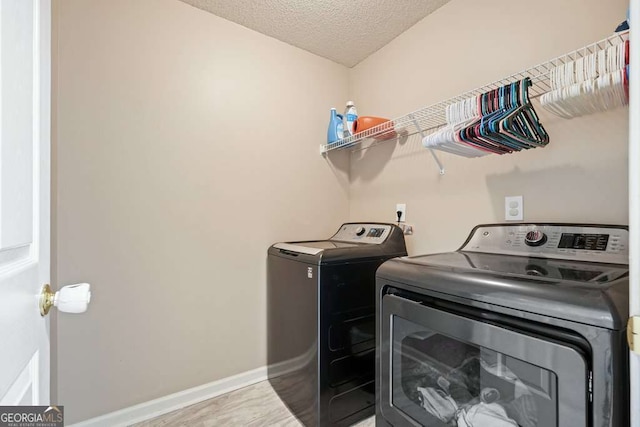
(345, 31)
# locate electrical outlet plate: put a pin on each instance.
(402, 207)
(513, 208)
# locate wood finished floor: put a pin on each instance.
(256, 406)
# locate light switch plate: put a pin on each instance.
(513, 208)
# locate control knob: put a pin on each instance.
(535, 238)
(360, 231)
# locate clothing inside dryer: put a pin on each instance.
(441, 381)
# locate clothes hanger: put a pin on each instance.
(518, 126)
(491, 126)
(499, 121)
(443, 139)
(598, 83)
(473, 114)
(471, 134)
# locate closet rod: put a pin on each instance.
(432, 117)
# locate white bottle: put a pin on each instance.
(349, 117)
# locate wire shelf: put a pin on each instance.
(428, 119)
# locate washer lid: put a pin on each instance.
(352, 242)
(590, 293)
(312, 248)
(587, 273)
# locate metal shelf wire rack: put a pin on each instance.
(428, 119)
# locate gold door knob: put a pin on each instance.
(46, 299)
(633, 334)
(69, 299)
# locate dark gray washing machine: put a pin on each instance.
(522, 326)
(321, 321)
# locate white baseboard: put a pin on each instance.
(291, 365)
(154, 408)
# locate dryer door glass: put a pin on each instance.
(439, 379)
(449, 370)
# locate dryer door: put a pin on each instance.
(443, 369)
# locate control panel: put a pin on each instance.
(592, 243)
(363, 233)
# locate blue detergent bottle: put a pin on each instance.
(336, 127)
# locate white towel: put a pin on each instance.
(485, 415)
(438, 403)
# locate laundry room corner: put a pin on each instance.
(177, 161)
(320, 213)
(580, 176)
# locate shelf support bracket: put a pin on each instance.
(422, 135)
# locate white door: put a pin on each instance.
(634, 202)
(25, 78)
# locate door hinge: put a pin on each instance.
(633, 334)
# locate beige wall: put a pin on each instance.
(185, 146)
(580, 177)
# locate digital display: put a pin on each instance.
(375, 232)
(587, 242)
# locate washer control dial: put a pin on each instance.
(535, 238)
(360, 231)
